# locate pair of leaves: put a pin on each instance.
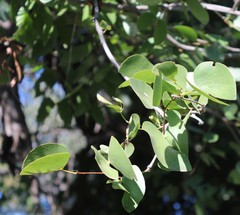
(132, 182)
(168, 156)
(134, 190)
(118, 158)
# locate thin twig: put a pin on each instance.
(71, 46)
(104, 45)
(226, 122)
(176, 7)
(195, 48)
(82, 173)
(150, 166)
(101, 36)
(183, 46)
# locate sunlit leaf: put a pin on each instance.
(157, 90)
(143, 91)
(206, 95)
(135, 190)
(128, 148)
(134, 64)
(186, 31)
(115, 107)
(45, 158)
(168, 69)
(180, 77)
(104, 165)
(45, 1)
(133, 126)
(168, 157)
(176, 132)
(118, 158)
(146, 76)
(215, 79)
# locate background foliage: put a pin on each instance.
(56, 46)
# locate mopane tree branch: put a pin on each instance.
(176, 7)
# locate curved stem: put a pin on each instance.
(75, 172)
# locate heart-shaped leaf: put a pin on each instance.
(205, 94)
(134, 64)
(45, 158)
(215, 79)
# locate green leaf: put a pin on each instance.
(168, 69)
(45, 109)
(143, 91)
(157, 90)
(145, 21)
(45, 1)
(65, 111)
(169, 103)
(160, 32)
(234, 177)
(134, 64)
(176, 132)
(150, 3)
(133, 126)
(210, 137)
(215, 79)
(118, 158)
(206, 95)
(104, 165)
(129, 149)
(198, 11)
(146, 76)
(187, 32)
(215, 52)
(135, 190)
(169, 158)
(180, 77)
(45, 158)
(117, 108)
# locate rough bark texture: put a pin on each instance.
(16, 139)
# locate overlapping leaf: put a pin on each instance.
(119, 159)
(168, 157)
